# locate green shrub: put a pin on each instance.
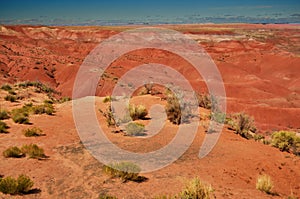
(19, 116)
(10, 98)
(24, 184)
(135, 129)
(218, 117)
(196, 189)
(264, 184)
(32, 132)
(4, 115)
(286, 141)
(13, 152)
(43, 108)
(33, 151)
(127, 171)
(21, 185)
(6, 87)
(40, 88)
(3, 127)
(8, 185)
(137, 112)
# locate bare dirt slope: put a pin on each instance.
(70, 171)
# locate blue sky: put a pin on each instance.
(168, 11)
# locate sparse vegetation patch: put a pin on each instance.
(21, 185)
(33, 151)
(13, 152)
(127, 171)
(4, 115)
(3, 127)
(20, 116)
(196, 189)
(10, 98)
(6, 87)
(32, 132)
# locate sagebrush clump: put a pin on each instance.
(196, 189)
(33, 151)
(286, 141)
(127, 171)
(13, 152)
(21, 185)
(135, 129)
(4, 115)
(20, 116)
(46, 108)
(218, 117)
(32, 132)
(137, 112)
(3, 127)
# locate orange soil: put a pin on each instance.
(259, 65)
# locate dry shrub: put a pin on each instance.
(264, 184)
(242, 124)
(137, 112)
(196, 189)
(127, 171)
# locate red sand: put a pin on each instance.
(259, 65)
